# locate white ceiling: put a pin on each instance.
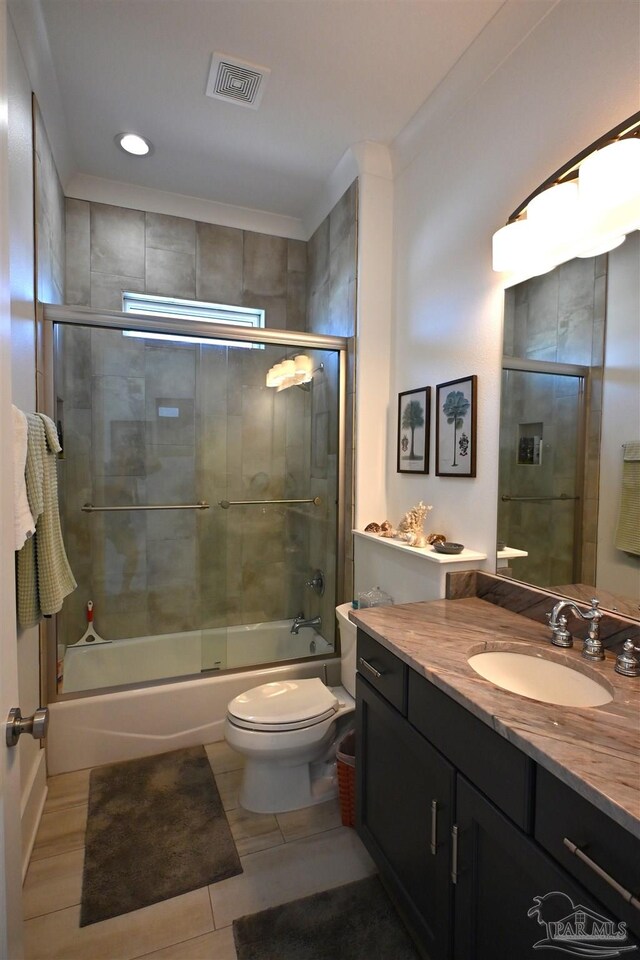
(342, 71)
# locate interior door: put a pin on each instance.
(10, 835)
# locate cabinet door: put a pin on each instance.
(405, 792)
(510, 896)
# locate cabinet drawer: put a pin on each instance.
(494, 765)
(561, 813)
(384, 671)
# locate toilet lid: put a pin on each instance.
(284, 704)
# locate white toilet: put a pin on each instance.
(288, 732)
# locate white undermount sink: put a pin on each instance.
(539, 678)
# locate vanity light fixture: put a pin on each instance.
(584, 209)
(291, 373)
(134, 144)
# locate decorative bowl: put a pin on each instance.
(448, 547)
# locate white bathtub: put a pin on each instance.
(140, 659)
(123, 724)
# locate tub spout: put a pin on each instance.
(300, 621)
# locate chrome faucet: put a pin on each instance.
(300, 621)
(560, 636)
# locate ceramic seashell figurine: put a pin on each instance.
(411, 527)
(384, 529)
(436, 538)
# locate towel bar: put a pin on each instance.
(225, 504)
(92, 508)
(563, 496)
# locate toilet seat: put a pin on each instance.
(283, 705)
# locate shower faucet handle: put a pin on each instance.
(316, 582)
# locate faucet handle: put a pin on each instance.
(628, 662)
(561, 636)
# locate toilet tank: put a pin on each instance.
(348, 635)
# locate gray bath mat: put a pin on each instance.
(353, 922)
(156, 828)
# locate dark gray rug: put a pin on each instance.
(353, 922)
(156, 828)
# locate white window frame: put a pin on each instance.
(149, 305)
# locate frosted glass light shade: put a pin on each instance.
(518, 249)
(290, 373)
(555, 219)
(555, 208)
(275, 375)
(609, 193)
(304, 368)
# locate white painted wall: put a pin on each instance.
(468, 160)
(373, 370)
(617, 571)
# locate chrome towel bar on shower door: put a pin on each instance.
(201, 505)
(562, 496)
(225, 504)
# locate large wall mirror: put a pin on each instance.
(569, 471)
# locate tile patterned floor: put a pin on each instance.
(284, 856)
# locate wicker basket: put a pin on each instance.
(346, 764)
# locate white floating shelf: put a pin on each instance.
(508, 553)
(425, 553)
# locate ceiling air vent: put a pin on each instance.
(236, 81)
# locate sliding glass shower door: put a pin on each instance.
(540, 501)
(196, 504)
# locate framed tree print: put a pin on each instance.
(456, 403)
(414, 411)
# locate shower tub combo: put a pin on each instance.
(122, 724)
(188, 488)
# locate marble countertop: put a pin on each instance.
(594, 750)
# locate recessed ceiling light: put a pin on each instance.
(134, 144)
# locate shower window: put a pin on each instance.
(146, 305)
(169, 423)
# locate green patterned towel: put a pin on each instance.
(44, 577)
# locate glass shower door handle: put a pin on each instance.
(225, 504)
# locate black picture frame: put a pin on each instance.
(456, 427)
(414, 429)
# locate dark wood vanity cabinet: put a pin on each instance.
(405, 810)
(447, 809)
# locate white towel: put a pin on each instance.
(24, 525)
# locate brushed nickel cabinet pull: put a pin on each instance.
(597, 869)
(372, 670)
(434, 826)
(454, 854)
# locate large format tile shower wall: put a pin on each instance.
(231, 438)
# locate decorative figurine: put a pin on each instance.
(411, 527)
